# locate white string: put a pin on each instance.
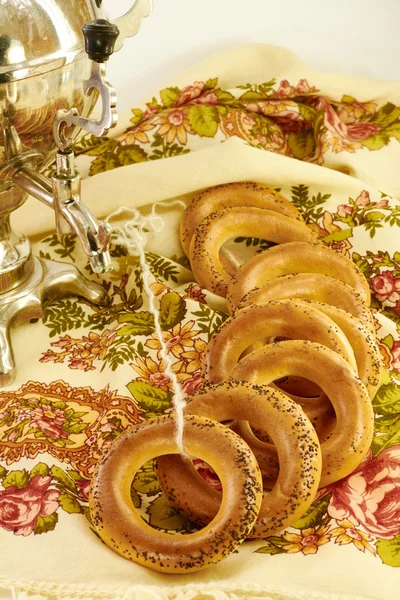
(132, 236)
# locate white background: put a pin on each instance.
(361, 37)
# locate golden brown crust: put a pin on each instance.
(122, 528)
(291, 319)
(220, 226)
(229, 195)
(295, 257)
(316, 287)
(365, 348)
(349, 443)
(295, 440)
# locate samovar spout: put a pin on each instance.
(63, 195)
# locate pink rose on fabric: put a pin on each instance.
(285, 89)
(353, 133)
(207, 473)
(51, 356)
(209, 98)
(20, 508)
(64, 342)
(176, 118)
(193, 384)
(195, 292)
(363, 199)
(303, 87)
(253, 107)
(396, 356)
(83, 488)
(344, 210)
(150, 112)
(262, 139)
(361, 131)
(386, 286)
(49, 421)
(382, 204)
(371, 495)
(81, 364)
(159, 379)
(189, 93)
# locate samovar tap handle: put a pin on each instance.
(100, 39)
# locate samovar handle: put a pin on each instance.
(130, 23)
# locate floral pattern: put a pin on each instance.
(62, 421)
(67, 427)
(73, 425)
(289, 118)
(21, 509)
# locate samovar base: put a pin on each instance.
(48, 280)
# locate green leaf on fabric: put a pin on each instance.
(204, 120)
(376, 142)
(45, 524)
(314, 515)
(278, 540)
(252, 95)
(223, 111)
(145, 481)
(3, 472)
(149, 415)
(223, 96)
(62, 478)
(307, 112)
(387, 424)
(385, 376)
(270, 550)
(137, 116)
(387, 114)
(75, 428)
(105, 162)
(364, 267)
(150, 398)
(172, 310)
(387, 399)
(348, 99)
(162, 267)
(165, 516)
(169, 95)
(130, 155)
(74, 475)
(60, 405)
(69, 504)
(393, 131)
(338, 236)
(211, 83)
(104, 145)
(40, 469)
(139, 323)
(389, 551)
(374, 216)
(389, 428)
(136, 501)
(301, 143)
(19, 479)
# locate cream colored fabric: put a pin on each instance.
(142, 183)
(70, 562)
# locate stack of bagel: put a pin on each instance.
(292, 371)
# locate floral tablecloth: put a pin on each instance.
(331, 145)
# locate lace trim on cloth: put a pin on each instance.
(52, 591)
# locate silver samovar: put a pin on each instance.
(52, 72)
